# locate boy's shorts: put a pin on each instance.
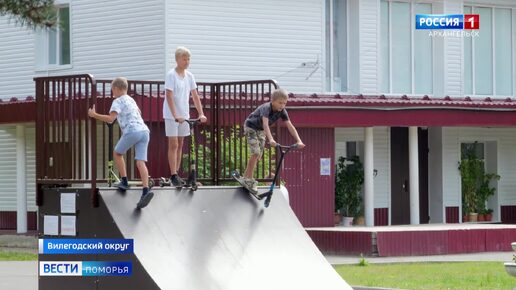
(255, 139)
(176, 129)
(140, 141)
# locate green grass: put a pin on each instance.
(455, 275)
(17, 256)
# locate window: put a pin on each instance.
(474, 150)
(336, 46)
(53, 47)
(401, 72)
(488, 57)
(354, 148)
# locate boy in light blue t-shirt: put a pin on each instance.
(134, 133)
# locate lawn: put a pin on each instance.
(455, 275)
(17, 256)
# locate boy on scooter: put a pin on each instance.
(256, 128)
(134, 133)
(179, 84)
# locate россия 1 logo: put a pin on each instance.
(447, 21)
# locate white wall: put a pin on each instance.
(435, 175)
(453, 56)
(369, 42)
(8, 167)
(16, 60)
(505, 140)
(382, 182)
(118, 38)
(248, 39)
(108, 39)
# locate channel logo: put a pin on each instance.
(84, 268)
(448, 21)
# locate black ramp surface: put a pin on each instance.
(220, 238)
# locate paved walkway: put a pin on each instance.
(19, 275)
(24, 275)
(485, 257)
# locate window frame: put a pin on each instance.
(473, 92)
(43, 40)
(412, 51)
(329, 83)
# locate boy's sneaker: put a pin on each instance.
(176, 181)
(251, 185)
(122, 186)
(144, 200)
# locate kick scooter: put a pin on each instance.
(267, 195)
(192, 177)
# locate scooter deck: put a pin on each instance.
(236, 175)
(166, 182)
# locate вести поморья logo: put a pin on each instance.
(447, 21)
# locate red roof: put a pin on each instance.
(17, 111)
(361, 111)
(399, 102)
(355, 111)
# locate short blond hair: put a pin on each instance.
(120, 83)
(182, 51)
(279, 94)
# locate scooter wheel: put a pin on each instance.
(194, 187)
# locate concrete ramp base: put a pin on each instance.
(219, 238)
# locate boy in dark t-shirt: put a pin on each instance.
(256, 129)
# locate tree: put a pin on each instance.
(30, 13)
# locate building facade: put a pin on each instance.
(329, 48)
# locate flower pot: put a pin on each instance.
(510, 268)
(347, 221)
(489, 217)
(337, 218)
(481, 217)
(473, 217)
(464, 218)
(360, 221)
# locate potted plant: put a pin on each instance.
(360, 220)
(349, 180)
(488, 215)
(476, 188)
(484, 192)
(471, 171)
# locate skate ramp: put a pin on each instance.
(220, 238)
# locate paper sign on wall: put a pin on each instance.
(50, 225)
(325, 166)
(68, 225)
(68, 203)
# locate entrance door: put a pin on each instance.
(400, 176)
(400, 195)
(424, 215)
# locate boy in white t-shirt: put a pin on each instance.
(134, 133)
(179, 84)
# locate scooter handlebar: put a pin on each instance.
(192, 122)
(293, 146)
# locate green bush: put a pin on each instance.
(475, 183)
(348, 184)
(235, 154)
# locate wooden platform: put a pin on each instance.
(410, 240)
